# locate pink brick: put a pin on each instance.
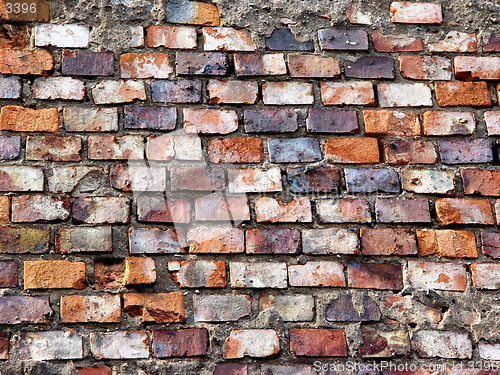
(232, 92)
(485, 275)
(404, 95)
(285, 93)
(317, 274)
(222, 209)
(272, 210)
(210, 121)
(182, 37)
(455, 41)
(347, 93)
(477, 68)
(421, 13)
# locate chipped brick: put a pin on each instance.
(396, 123)
(198, 274)
(329, 241)
(155, 241)
(90, 119)
(375, 276)
(283, 40)
(455, 41)
(492, 44)
(36, 208)
(201, 63)
(75, 180)
(171, 37)
(428, 181)
(476, 68)
(227, 39)
(108, 275)
(155, 307)
(145, 65)
(481, 181)
(166, 148)
(137, 177)
(259, 64)
(347, 93)
(342, 309)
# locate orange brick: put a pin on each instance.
(83, 309)
(4, 210)
(409, 152)
(395, 43)
(235, 150)
(171, 37)
(139, 271)
(463, 211)
(446, 243)
(394, 123)
(25, 62)
(352, 150)
(54, 274)
(348, 93)
(20, 119)
(474, 94)
(155, 307)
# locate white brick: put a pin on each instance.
(63, 36)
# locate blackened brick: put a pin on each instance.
(270, 120)
(313, 180)
(332, 121)
(181, 91)
(342, 310)
(148, 117)
(88, 64)
(370, 67)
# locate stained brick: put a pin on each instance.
(387, 241)
(294, 150)
(227, 39)
(258, 275)
(4, 209)
(384, 343)
(192, 13)
(77, 180)
(155, 241)
(404, 95)
(36, 62)
(396, 123)
(329, 241)
(19, 309)
(78, 119)
(455, 41)
(157, 209)
(420, 13)
(180, 91)
(50, 345)
(10, 147)
(201, 63)
(475, 68)
(343, 40)
(232, 92)
(360, 150)
(428, 181)
(83, 239)
(481, 181)
(258, 343)
(318, 342)
(402, 210)
(109, 274)
(491, 244)
(425, 67)
(492, 120)
(291, 308)
(119, 345)
(312, 180)
(221, 307)
(446, 243)
(63, 36)
(357, 15)
(439, 276)
(466, 151)
(210, 121)
(485, 276)
(474, 94)
(137, 177)
(253, 180)
(448, 123)
(150, 117)
(270, 120)
(52, 148)
(228, 209)
(54, 274)
(109, 147)
(272, 241)
(317, 274)
(259, 64)
(395, 43)
(180, 147)
(409, 152)
(101, 210)
(283, 40)
(197, 178)
(235, 150)
(8, 274)
(198, 274)
(36, 208)
(180, 343)
(4, 345)
(145, 65)
(114, 92)
(272, 210)
(171, 37)
(84, 309)
(155, 307)
(492, 44)
(21, 178)
(14, 36)
(87, 64)
(21, 240)
(344, 210)
(463, 211)
(375, 276)
(10, 87)
(307, 66)
(286, 93)
(443, 344)
(347, 93)
(331, 121)
(216, 240)
(370, 67)
(20, 119)
(139, 270)
(342, 309)
(365, 180)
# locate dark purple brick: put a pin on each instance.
(10, 147)
(8, 274)
(147, 117)
(201, 63)
(375, 276)
(402, 210)
(294, 150)
(181, 91)
(272, 241)
(493, 44)
(332, 121)
(270, 120)
(491, 244)
(283, 40)
(312, 180)
(88, 64)
(335, 39)
(370, 67)
(230, 369)
(466, 151)
(342, 310)
(365, 180)
(180, 343)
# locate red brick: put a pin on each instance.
(145, 65)
(425, 67)
(463, 211)
(400, 124)
(455, 41)
(35, 208)
(171, 37)
(409, 152)
(259, 64)
(101, 370)
(481, 182)
(347, 93)
(139, 270)
(474, 94)
(402, 210)
(180, 343)
(198, 273)
(155, 307)
(287, 93)
(54, 274)
(317, 274)
(232, 92)
(36, 62)
(108, 275)
(258, 343)
(375, 276)
(272, 210)
(228, 209)
(307, 66)
(318, 342)
(360, 150)
(109, 147)
(21, 119)
(395, 43)
(223, 239)
(210, 121)
(19, 309)
(52, 148)
(251, 180)
(439, 276)
(8, 273)
(101, 210)
(227, 39)
(420, 13)
(84, 309)
(448, 123)
(157, 209)
(446, 243)
(235, 150)
(387, 241)
(476, 68)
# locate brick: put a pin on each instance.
(90, 119)
(171, 37)
(329, 241)
(10, 87)
(253, 180)
(83, 309)
(437, 276)
(230, 368)
(20, 119)
(491, 244)
(232, 92)
(420, 13)
(370, 67)
(307, 66)
(384, 343)
(52, 88)
(227, 39)
(481, 181)
(442, 344)
(50, 345)
(180, 91)
(342, 309)
(4, 345)
(489, 351)
(428, 181)
(317, 274)
(402, 210)
(230, 209)
(347, 93)
(258, 275)
(446, 243)
(395, 43)
(192, 13)
(101, 210)
(448, 123)
(4, 209)
(476, 68)
(36, 208)
(197, 178)
(387, 241)
(52, 148)
(272, 241)
(295, 150)
(331, 121)
(259, 64)
(62, 36)
(83, 239)
(287, 93)
(19, 309)
(101, 370)
(257, 343)
(412, 311)
(114, 92)
(201, 63)
(409, 152)
(145, 65)
(10, 147)
(492, 44)
(463, 211)
(485, 276)
(455, 41)
(365, 180)
(109, 274)
(210, 121)
(21, 178)
(344, 210)
(21, 240)
(270, 120)
(214, 240)
(357, 15)
(8, 274)
(492, 120)
(313, 180)
(109, 147)
(395, 123)
(221, 307)
(466, 151)
(283, 40)
(465, 371)
(474, 94)
(137, 177)
(155, 241)
(36, 62)
(404, 95)
(54, 274)
(291, 308)
(119, 345)
(360, 150)
(139, 271)
(80, 179)
(425, 67)
(273, 210)
(343, 40)
(180, 343)
(87, 64)
(235, 150)
(150, 117)
(375, 276)
(155, 307)
(318, 342)
(14, 36)
(136, 36)
(166, 148)
(157, 209)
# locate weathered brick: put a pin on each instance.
(283, 40)
(8, 273)
(145, 65)
(54, 274)
(347, 93)
(421, 13)
(109, 274)
(254, 180)
(396, 123)
(158, 209)
(395, 43)
(272, 241)
(83, 309)
(428, 181)
(404, 95)
(412, 311)
(258, 275)
(409, 152)
(101, 370)
(201, 63)
(63, 36)
(365, 180)
(4, 209)
(258, 343)
(492, 44)
(331, 121)
(491, 244)
(235, 150)
(384, 343)
(474, 94)
(36, 208)
(137, 177)
(109, 147)
(329, 241)
(179, 147)
(14, 36)
(83, 239)
(227, 39)
(216, 240)
(20, 119)
(221, 307)
(387, 241)
(192, 13)
(182, 37)
(198, 274)
(443, 344)
(448, 123)
(402, 210)
(360, 150)
(101, 210)
(10, 87)
(481, 181)
(78, 119)
(489, 351)
(197, 178)
(19, 309)
(295, 150)
(180, 343)
(438, 276)
(113, 92)
(230, 368)
(52, 88)
(50, 345)
(476, 68)
(344, 210)
(492, 120)
(35, 62)
(317, 274)
(87, 64)
(455, 41)
(155, 307)
(370, 67)
(232, 92)
(425, 67)
(313, 180)
(307, 66)
(318, 342)
(222, 209)
(136, 36)
(343, 309)
(155, 241)
(463, 211)
(10, 147)
(119, 345)
(21, 240)
(446, 243)
(375, 276)
(76, 180)
(52, 148)
(291, 308)
(150, 117)
(286, 93)
(139, 270)
(210, 121)
(259, 64)
(4, 345)
(21, 178)
(358, 15)
(485, 275)
(343, 40)
(180, 91)
(272, 210)
(270, 120)
(466, 151)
